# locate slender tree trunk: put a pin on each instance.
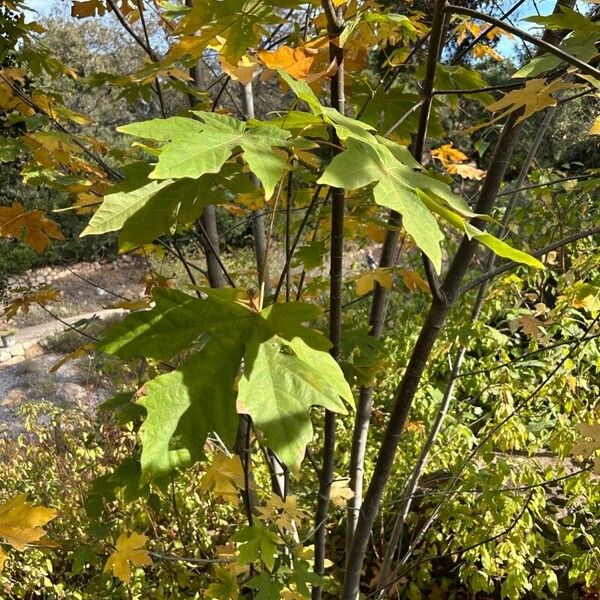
(334, 27)
(216, 277)
(405, 392)
(258, 221)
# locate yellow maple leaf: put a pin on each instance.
(483, 51)
(466, 171)
(533, 97)
(129, 548)
(448, 155)
(595, 128)
(284, 513)
(366, 282)
(22, 523)
(3, 557)
(224, 476)
(243, 71)
(23, 303)
(413, 280)
(295, 61)
(32, 226)
(340, 492)
(588, 444)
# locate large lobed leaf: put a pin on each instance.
(286, 369)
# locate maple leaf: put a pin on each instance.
(243, 71)
(129, 548)
(366, 282)
(340, 492)
(413, 280)
(82, 9)
(533, 97)
(284, 513)
(3, 557)
(22, 523)
(226, 588)
(595, 128)
(32, 226)
(41, 297)
(448, 155)
(466, 171)
(531, 326)
(257, 543)
(224, 476)
(588, 444)
(295, 61)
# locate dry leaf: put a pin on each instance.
(23, 303)
(413, 280)
(30, 225)
(467, 171)
(448, 155)
(129, 548)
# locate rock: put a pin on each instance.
(15, 360)
(4, 356)
(17, 350)
(71, 392)
(34, 351)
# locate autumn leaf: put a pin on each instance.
(295, 61)
(413, 280)
(588, 444)
(533, 97)
(226, 588)
(3, 557)
(448, 155)
(531, 326)
(340, 492)
(243, 71)
(129, 548)
(284, 513)
(366, 282)
(224, 476)
(23, 303)
(595, 128)
(466, 171)
(22, 523)
(32, 226)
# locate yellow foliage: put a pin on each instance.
(284, 513)
(243, 71)
(23, 303)
(224, 476)
(22, 523)
(366, 282)
(340, 492)
(448, 155)
(32, 226)
(296, 61)
(129, 548)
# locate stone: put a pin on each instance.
(34, 351)
(17, 350)
(5, 355)
(15, 360)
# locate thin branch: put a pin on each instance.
(565, 56)
(191, 559)
(537, 254)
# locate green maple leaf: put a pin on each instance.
(396, 186)
(286, 366)
(266, 586)
(258, 543)
(195, 147)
